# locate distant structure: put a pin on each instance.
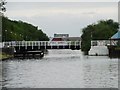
(64, 37)
(72, 39)
(61, 35)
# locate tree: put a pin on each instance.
(19, 30)
(103, 30)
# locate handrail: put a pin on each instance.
(41, 43)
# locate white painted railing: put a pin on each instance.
(41, 43)
(103, 42)
(58, 43)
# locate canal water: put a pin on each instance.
(61, 69)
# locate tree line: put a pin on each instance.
(18, 31)
(102, 30)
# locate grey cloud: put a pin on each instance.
(62, 17)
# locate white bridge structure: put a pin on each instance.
(100, 47)
(37, 45)
(103, 42)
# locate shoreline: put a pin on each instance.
(5, 57)
(6, 53)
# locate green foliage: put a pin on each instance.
(18, 30)
(103, 30)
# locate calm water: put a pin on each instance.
(62, 69)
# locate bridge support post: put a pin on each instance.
(57, 46)
(51, 45)
(69, 44)
(19, 45)
(38, 45)
(45, 45)
(32, 45)
(25, 45)
(63, 46)
(75, 44)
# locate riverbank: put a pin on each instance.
(4, 56)
(6, 53)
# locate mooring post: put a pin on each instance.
(42, 53)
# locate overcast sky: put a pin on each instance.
(62, 17)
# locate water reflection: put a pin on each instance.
(62, 69)
(100, 72)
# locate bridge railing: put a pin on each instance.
(42, 43)
(103, 42)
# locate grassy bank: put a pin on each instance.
(4, 56)
(6, 53)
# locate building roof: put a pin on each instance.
(65, 39)
(116, 36)
(57, 39)
(72, 39)
(61, 35)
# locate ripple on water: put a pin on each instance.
(62, 69)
